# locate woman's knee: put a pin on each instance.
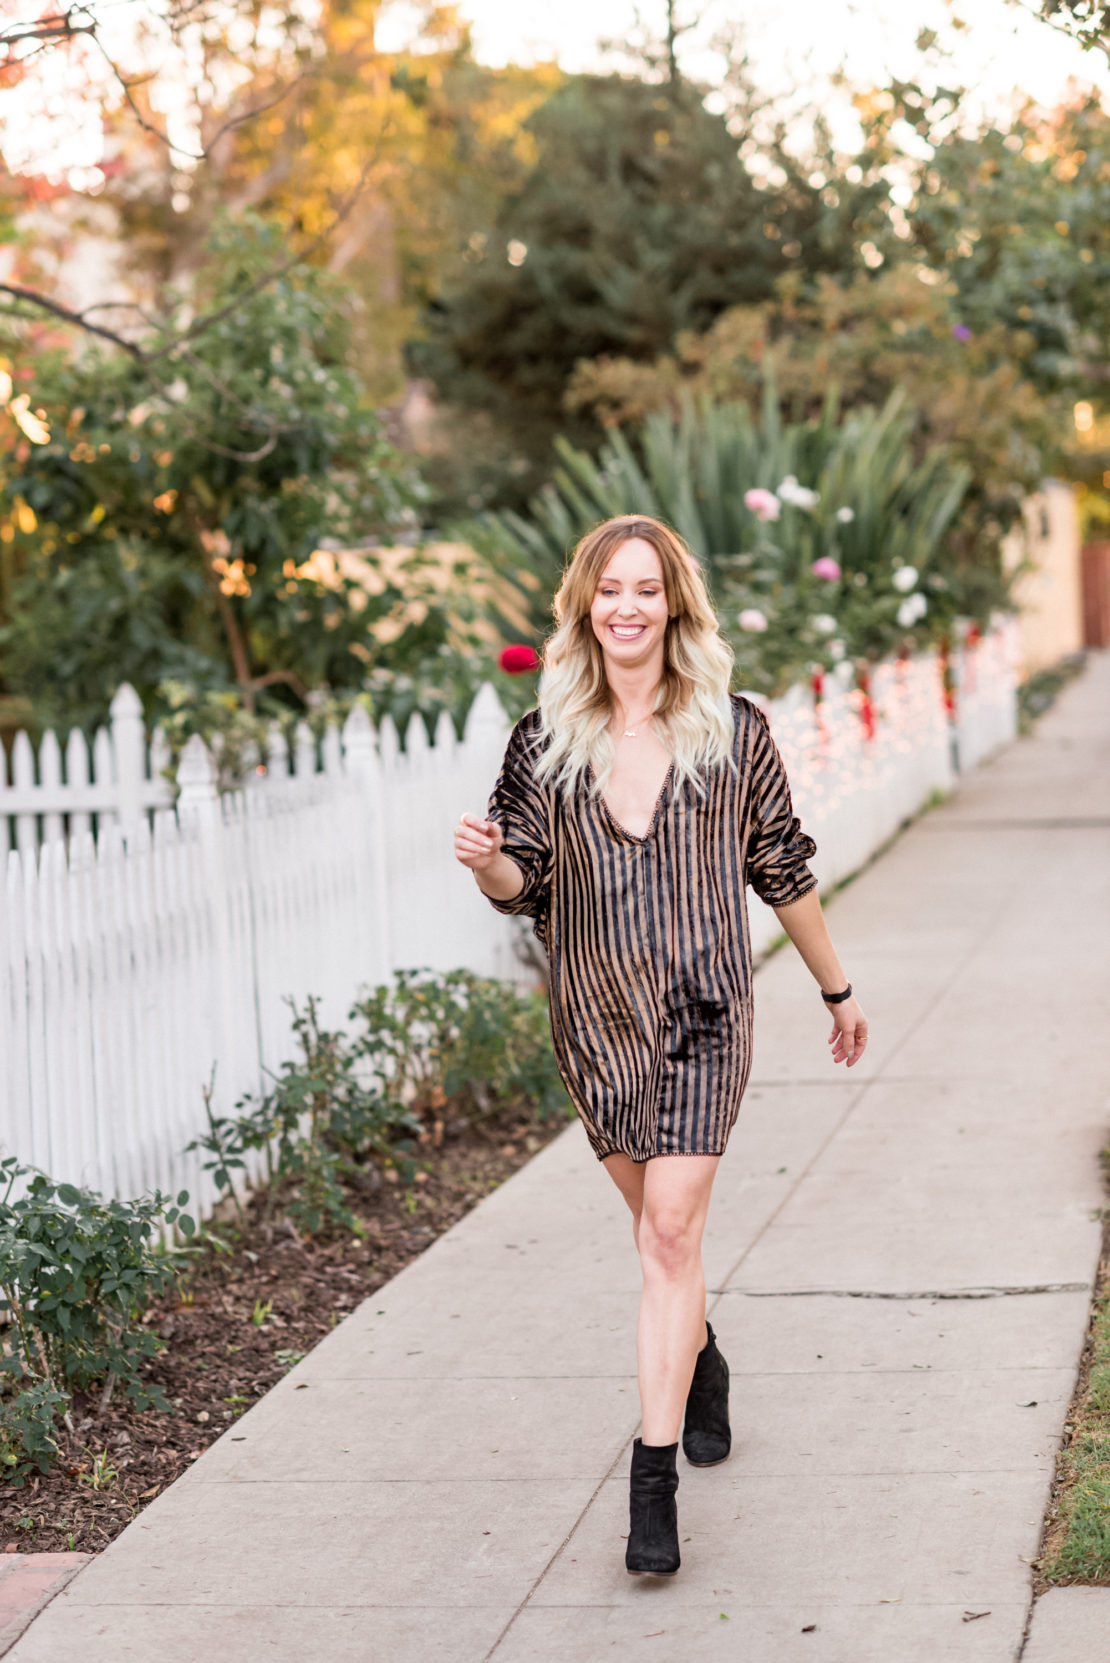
(669, 1239)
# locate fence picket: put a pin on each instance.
(78, 781)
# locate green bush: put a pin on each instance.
(29, 1431)
(429, 1045)
(455, 1038)
(317, 1124)
(77, 1273)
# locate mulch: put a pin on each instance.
(237, 1323)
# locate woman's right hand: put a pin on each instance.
(477, 842)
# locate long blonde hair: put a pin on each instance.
(692, 713)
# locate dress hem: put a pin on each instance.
(656, 1154)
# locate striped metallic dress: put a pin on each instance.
(647, 937)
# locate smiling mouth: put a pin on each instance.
(627, 632)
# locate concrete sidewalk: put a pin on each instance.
(901, 1260)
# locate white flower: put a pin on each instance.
(824, 623)
(845, 515)
(911, 609)
(752, 618)
(798, 496)
(904, 579)
(837, 649)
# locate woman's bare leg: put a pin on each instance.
(629, 1179)
(669, 1200)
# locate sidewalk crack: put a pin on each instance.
(1002, 1291)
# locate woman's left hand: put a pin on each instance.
(849, 1036)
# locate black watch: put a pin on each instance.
(837, 998)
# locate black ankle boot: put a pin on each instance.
(653, 1515)
(706, 1438)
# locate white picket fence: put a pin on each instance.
(132, 962)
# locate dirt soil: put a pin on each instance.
(237, 1323)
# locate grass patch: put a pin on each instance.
(1075, 1542)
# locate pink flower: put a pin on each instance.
(763, 504)
(752, 618)
(518, 660)
(826, 567)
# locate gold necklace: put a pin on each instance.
(630, 733)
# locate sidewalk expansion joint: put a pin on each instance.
(1092, 822)
(928, 1293)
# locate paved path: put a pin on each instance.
(28, 1582)
(901, 1261)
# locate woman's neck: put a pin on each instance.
(633, 692)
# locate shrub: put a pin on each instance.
(29, 1431)
(429, 1044)
(77, 1272)
(437, 1038)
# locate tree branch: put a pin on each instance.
(78, 319)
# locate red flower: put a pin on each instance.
(866, 708)
(518, 660)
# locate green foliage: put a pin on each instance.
(897, 330)
(638, 220)
(434, 1039)
(430, 1044)
(315, 1125)
(849, 491)
(77, 1272)
(1018, 222)
(176, 523)
(29, 1431)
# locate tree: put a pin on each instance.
(176, 532)
(637, 221)
(375, 162)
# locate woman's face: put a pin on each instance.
(629, 611)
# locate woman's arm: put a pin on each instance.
(804, 922)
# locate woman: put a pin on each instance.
(632, 807)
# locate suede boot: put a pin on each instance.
(706, 1437)
(653, 1515)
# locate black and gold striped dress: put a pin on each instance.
(647, 937)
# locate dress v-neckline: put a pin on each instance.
(652, 823)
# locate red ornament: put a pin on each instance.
(518, 660)
(817, 682)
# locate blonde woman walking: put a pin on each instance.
(632, 808)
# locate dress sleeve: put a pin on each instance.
(520, 808)
(778, 848)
